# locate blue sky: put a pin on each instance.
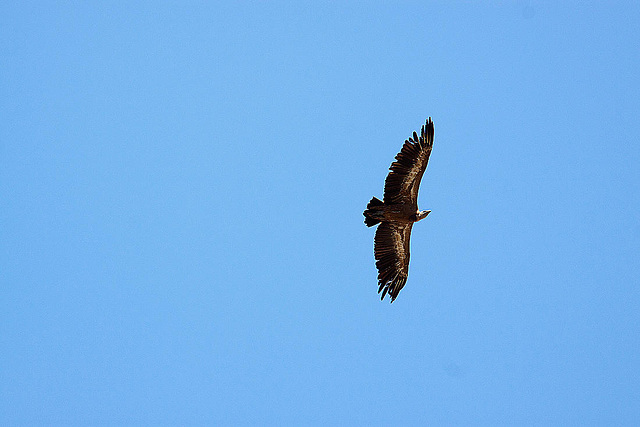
(181, 197)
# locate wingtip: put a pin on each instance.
(427, 128)
(384, 292)
(386, 289)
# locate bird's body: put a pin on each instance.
(399, 210)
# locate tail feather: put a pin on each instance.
(373, 214)
(374, 202)
(370, 222)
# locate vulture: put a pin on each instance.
(398, 210)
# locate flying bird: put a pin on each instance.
(398, 211)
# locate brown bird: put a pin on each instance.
(399, 210)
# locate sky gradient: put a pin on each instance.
(181, 229)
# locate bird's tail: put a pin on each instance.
(373, 214)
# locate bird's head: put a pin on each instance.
(422, 215)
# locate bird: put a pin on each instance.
(398, 210)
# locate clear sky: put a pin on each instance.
(181, 229)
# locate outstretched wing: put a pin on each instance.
(403, 182)
(391, 249)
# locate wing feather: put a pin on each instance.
(391, 249)
(403, 182)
